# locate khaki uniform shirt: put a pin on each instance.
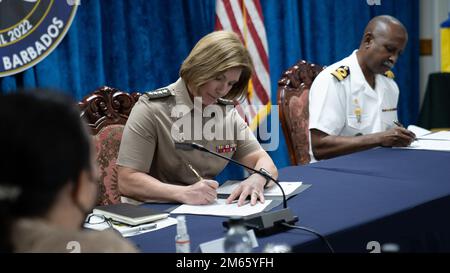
(168, 115)
(29, 235)
(349, 106)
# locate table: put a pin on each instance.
(384, 195)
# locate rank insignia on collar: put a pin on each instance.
(341, 73)
(228, 148)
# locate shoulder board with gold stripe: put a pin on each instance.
(158, 93)
(389, 74)
(341, 73)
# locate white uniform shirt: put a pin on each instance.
(351, 107)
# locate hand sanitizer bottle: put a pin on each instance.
(182, 241)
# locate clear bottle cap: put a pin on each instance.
(181, 224)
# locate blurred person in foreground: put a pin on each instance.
(47, 177)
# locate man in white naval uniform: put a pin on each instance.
(353, 103)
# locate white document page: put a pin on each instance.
(441, 135)
(288, 187)
(418, 131)
(125, 229)
(433, 145)
(220, 208)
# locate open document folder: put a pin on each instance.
(427, 140)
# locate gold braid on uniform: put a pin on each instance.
(341, 73)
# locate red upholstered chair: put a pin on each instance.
(293, 101)
(106, 111)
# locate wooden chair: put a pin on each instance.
(106, 111)
(293, 101)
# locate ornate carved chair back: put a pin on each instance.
(293, 101)
(106, 111)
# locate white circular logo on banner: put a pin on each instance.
(30, 30)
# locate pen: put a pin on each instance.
(398, 124)
(195, 172)
(401, 126)
(139, 228)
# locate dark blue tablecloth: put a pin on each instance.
(384, 195)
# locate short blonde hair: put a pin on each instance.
(212, 56)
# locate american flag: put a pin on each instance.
(245, 18)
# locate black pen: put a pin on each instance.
(401, 126)
(398, 124)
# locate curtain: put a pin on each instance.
(139, 45)
(133, 45)
(327, 31)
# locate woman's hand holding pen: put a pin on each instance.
(203, 192)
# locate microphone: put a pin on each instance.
(264, 223)
(194, 146)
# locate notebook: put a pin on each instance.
(130, 214)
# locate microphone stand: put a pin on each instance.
(264, 223)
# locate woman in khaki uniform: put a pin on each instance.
(47, 180)
(193, 109)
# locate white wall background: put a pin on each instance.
(432, 14)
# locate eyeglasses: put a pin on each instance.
(95, 219)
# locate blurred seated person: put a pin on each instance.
(194, 109)
(48, 178)
(353, 103)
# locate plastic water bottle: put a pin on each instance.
(237, 239)
(182, 240)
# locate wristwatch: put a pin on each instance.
(267, 174)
